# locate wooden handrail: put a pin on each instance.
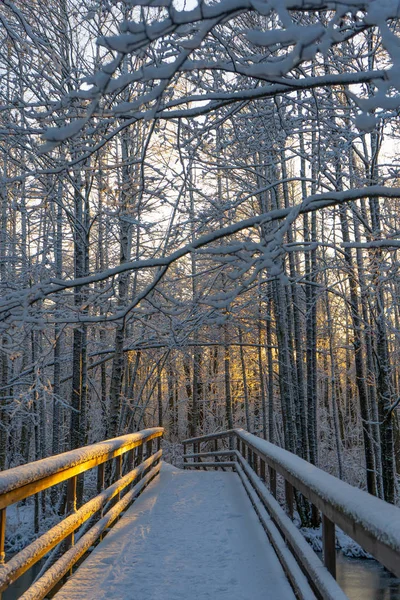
(20, 482)
(370, 521)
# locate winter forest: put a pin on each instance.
(200, 227)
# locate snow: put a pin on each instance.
(378, 518)
(34, 471)
(189, 532)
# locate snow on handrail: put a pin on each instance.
(25, 476)
(26, 480)
(370, 521)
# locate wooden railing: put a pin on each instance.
(135, 464)
(371, 522)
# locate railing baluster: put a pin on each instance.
(100, 478)
(139, 455)
(329, 545)
(118, 471)
(27, 480)
(255, 462)
(262, 470)
(289, 497)
(2, 535)
(272, 480)
(71, 506)
(184, 452)
(149, 448)
(131, 460)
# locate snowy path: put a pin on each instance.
(189, 535)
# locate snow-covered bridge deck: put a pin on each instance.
(190, 534)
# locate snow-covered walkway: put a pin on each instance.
(190, 535)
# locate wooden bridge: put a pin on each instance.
(222, 530)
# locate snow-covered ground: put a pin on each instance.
(189, 535)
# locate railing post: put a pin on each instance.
(289, 496)
(216, 449)
(71, 506)
(131, 460)
(328, 544)
(118, 467)
(262, 470)
(100, 477)
(272, 480)
(2, 535)
(255, 462)
(139, 455)
(118, 471)
(243, 450)
(149, 448)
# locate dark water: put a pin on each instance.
(364, 579)
(21, 585)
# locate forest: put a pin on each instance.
(200, 227)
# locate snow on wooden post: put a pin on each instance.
(328, 544)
